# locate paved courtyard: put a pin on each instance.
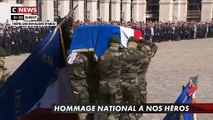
(171, 68)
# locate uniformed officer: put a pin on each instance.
(4, 74)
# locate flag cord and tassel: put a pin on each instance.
(62, 43)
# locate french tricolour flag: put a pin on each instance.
(96, 38)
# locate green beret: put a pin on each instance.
(145, 41)
(133, 39)
(114, 39)
(2, 52)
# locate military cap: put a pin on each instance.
(2, 52)
(114, 39)
(133, 39)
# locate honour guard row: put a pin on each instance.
(117, 77)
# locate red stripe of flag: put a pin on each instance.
(201, 108)
(138, 34)
(192, 90)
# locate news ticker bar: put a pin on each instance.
(33, 23)
(24, 17)
(143, 108)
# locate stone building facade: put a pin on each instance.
(123, 10)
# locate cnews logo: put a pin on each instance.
(24, 10)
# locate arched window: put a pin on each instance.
(194, 10)
(152, 10)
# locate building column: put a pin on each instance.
(64, 8)
(29, 3)
(126, 10)
(13, 2)
(166, 10)
(139, 10)
(115, 10)
(206, 13)
(79, 11)
(48, 14)
(180, 10)
(92, 10)
(104, 10)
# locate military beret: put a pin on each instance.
(114, 39)
(133, 39)
(145, 41)
(2, 52)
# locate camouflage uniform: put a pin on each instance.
(92, 76)
(148, 54)
(4, 74)
(110, 68)
(130, 87)
(78, 80)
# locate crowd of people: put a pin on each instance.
(19, 40)
(159, 31)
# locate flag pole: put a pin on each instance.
(194, 101)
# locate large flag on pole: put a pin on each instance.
(187, 96)
(35, 83)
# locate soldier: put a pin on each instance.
(7, 42)
(129, 72)
(144, 64)
(4, 74)
(78, 79)
(93, 77)
(110, 83)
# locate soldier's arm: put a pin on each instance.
(4, 75)
(153, 47)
